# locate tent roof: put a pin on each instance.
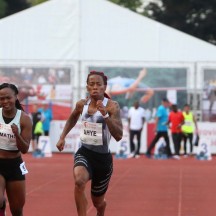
(94, 30)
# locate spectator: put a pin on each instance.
(136, 119)
(35, 116)
(176, 119)
(47, 116)
(38, 131)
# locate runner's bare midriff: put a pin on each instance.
(9, 154)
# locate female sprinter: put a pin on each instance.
(100, 119)
(15, 136)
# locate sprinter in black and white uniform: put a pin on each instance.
(15, 136)
(100, 119)
(95, 136)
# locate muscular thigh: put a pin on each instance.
(2, 187)
(81, 174)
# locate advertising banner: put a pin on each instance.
(207, 133)
(209, 95)
(42, 84)
(146, 85)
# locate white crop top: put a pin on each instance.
(7, 137)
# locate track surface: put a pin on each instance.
(139, 187)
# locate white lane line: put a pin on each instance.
(180, 194)
(110, 188)
(43, 185)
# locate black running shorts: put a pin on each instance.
(99, 166)
(12, 169)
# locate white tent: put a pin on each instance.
(84, 33)
(94, 30)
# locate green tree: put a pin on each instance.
(3, 8)
(9, 7)
(133, 5)
(36, 2)
(195, 17)
(14, 6)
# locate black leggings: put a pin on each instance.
(176, 137)
(160, 134)
(187, 136)
(134, 133)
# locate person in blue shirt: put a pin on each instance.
(161, 127)
(47, 117)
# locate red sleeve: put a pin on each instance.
(169, 119)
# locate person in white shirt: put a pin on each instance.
(136, 119)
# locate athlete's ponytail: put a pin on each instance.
(106, 95)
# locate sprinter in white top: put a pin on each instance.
(95, 133)
(15, 137)
(100, 118)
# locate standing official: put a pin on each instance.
(136, 119)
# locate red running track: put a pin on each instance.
(139, 187)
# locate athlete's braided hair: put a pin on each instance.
(98, 73)
(14, 88)
(104, 77)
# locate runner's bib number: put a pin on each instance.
(23, 168)
(91, 133)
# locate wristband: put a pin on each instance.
(106, 116)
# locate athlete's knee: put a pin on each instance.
(80, 183)
(81, 177)
(16, 207)
(98, 203)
